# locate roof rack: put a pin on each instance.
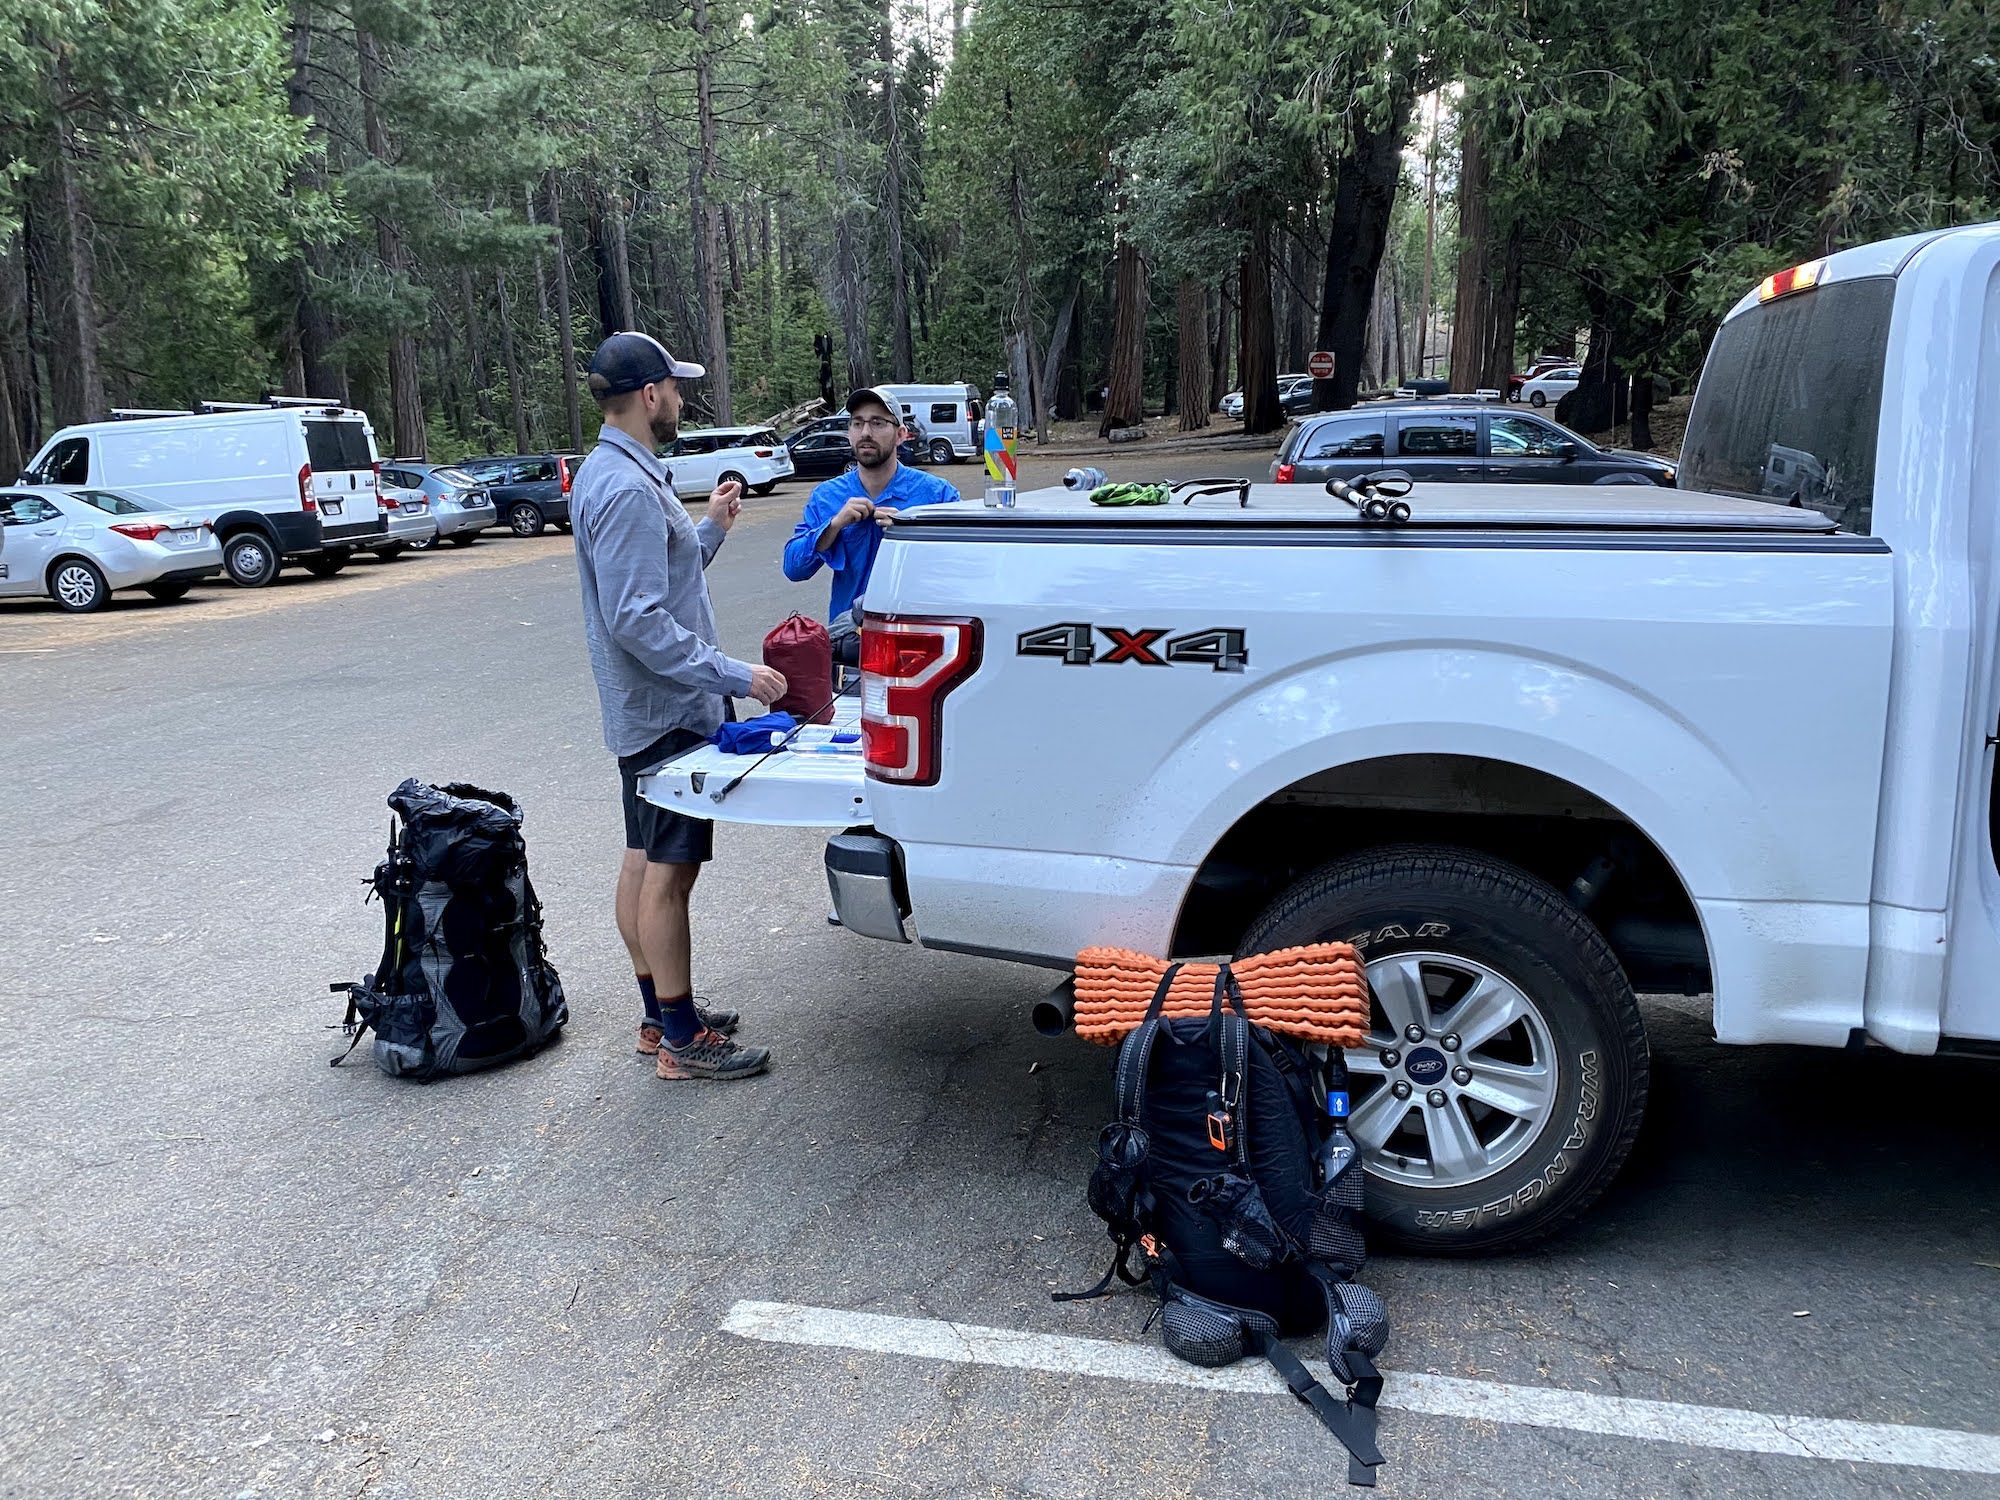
(330, 402)
(1405, 393)
(134, 413)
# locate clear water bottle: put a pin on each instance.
(1003, 435)
(1084, 480)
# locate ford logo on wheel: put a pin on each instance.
(1426, 1066)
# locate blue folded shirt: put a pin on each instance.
(754, 736)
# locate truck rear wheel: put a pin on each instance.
(1505, 1079)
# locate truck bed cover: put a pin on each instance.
(1480, 507)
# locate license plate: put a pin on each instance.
(183, 538)
(330, 507)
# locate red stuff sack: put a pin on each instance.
(801, 649)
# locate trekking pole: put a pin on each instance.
(1377, 496)
(737, 780)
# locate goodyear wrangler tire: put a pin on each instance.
(1506, 1076)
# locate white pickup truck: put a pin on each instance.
(1534, 750)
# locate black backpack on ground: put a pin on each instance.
(464, 982)
(1229, 1171)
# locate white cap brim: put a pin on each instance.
(682, 370)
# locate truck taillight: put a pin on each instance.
(306, 501)
(1285, 473)
(908, 666)
(1794, 279)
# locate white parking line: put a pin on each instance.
(1432, 1395)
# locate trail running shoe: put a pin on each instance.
(722, 1020)
(711, 1055)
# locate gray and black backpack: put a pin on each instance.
(1229, 1174)
(464, 982)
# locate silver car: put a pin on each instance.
(77, 545)
(459, 506)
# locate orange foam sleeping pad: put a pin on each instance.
(1317, 993)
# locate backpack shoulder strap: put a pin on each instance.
(1229, 1024)
(1135, 1055)
(1351, 1421)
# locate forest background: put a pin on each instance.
(433, 211)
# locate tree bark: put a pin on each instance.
(1364, 193)
(309, 331)
(1473, 308)
(406, 400)
(1642, 412)
(706, 224)
(848, 298)
(1191, 303)
(1125, 404)
(1225, 341)
(1257, 346)
(565, 331)
(541, 264)
(475, 345)
(76, 378)
(903, 356)
(515, 399)
(1052, 361)
(621, 260)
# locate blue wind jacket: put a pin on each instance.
(852, 555)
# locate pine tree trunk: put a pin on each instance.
(1497, 356)
(77, 377)
(565, 331)
(406, 401)
(541, 264)
(1257, 345)
(1225, 340)
(848, 298)
(1023, 331)
(17, 446)
(622, 310)
(309, 331)
(715, 331)
(903, 356)
(1052, 361)
(1364, 194)
(1124, 405)
(729, 249)
(1191, 305)
(515, 399)
(475, 343)
(1474, 307)
(1642, 412)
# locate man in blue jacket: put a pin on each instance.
(845, 516)
(662, 682)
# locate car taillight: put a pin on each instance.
(377, 468)
(1286, 473)
(141, 531)
(908, 665)
(306, 501)
(562, 468)
(761, 452)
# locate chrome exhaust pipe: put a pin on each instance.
(1055, 1012)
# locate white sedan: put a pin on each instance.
(77, 545)
(1552, 386)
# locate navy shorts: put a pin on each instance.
(669, 838)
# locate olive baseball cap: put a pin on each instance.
(631, 361)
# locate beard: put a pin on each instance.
(871, 455)
(666, 426)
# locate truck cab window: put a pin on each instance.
(67, 463)
(1791, 400)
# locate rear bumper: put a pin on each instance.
(452, 521)
(358, 533)
(864, 871)
(404, 529)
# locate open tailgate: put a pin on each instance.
(818, 781)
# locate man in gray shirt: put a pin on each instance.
(663, 684)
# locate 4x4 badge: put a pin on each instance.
(1075, 644)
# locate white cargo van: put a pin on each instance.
(278, 480)
(943, 418)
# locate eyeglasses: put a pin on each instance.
(872, 424)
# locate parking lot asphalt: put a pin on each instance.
(230, 1270)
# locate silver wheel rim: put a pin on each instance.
(250, 560)
(1459, 1074)
(526, 522)
(941, 452)
(74, 586)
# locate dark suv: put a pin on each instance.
(1455, 441)
(529, 490)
